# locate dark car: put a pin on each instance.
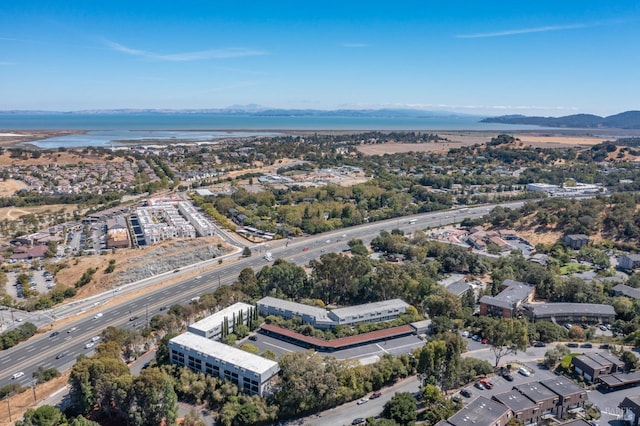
(376, 394)
(466, 393)
(539, 344)
(164, 308)
(133, 318)
(357, 421)
(604, 346)
(508, 377)
(586, 345)
(253, 337)
(60, 355)
(479, 386)
(176, 271)
(572, 345)
(54, 334)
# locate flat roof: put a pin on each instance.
(368, 308)
(507, 298)
(216, 319)
(515, 400)
(535, 391)
(341, 342)
(569, 308)
(226, 353)
(294, 307)
(562, 386)
(480, 411)
(621, 379)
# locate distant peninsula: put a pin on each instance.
(624, 120)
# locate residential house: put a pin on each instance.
(576, 241)
(631, 407)
(481, 411)
(625, 290)
(629, 261)
(524, 409)
(592, 366)
(572, 397)
(542, 396)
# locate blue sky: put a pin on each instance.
(492, 57)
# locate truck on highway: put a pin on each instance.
(268, 257)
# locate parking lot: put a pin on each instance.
(38, 279)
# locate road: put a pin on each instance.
(42, 350)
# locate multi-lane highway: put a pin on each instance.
(43, 350)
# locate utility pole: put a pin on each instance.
(9, 406)
(33, 386)
(146, 307)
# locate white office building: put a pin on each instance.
(251, 373)
(211, 326)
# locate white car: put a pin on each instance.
(88, 345)
(17, 375)
(96, 316)
(524, 372)
(363, 401)
(95, 338)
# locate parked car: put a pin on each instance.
(362, 401)
(253, 337)
(572, 345)
(358, 421)
(479, 386)
(466, 393)
(539, 344)
(465, 334)
(486, 383)
(602, 327)
(586, 345)
(376, 394)
(524, 372)
(568, 326)
(604, 346)
(508, 377)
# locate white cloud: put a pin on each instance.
(527, 31)
(231, 52)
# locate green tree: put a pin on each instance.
(401, 408)
(246, 252)
(154, 400)
(630, 360)
(507, 336)
(45, 415)
(248, 347)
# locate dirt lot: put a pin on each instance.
(11, 186)
(13, 213)
(549, 141)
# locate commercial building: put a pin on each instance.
(592, 366)
(251, 373)
(117, 233)
(322, 318)
(211, 326)
(506, 303)
(588, 313)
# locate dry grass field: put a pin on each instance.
(11, 186)
(14, 213)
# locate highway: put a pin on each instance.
(42, 350)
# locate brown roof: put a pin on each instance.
(343, 341)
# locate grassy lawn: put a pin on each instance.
(573, 267)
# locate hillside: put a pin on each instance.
(624, 120)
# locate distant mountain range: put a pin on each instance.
(624, 120)
(256, 110)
